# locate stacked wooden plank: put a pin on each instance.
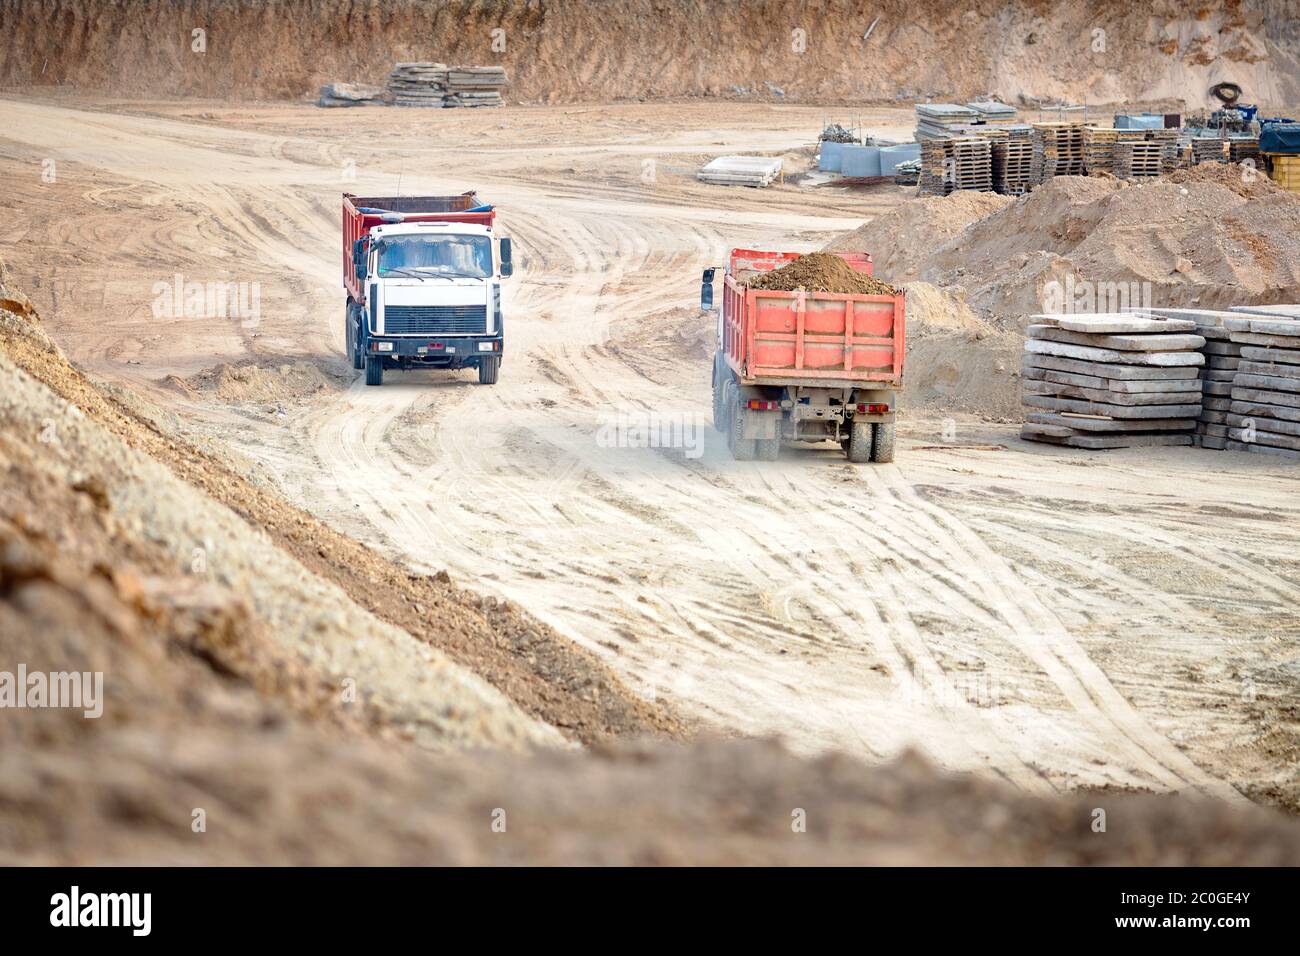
(938, 120)
(1135, 160)
(1112, 380)
(1206, 149)
(1168, 140)
(1265, 413)
(964, 162)
(419, 84)
(1013, 161)
(1057, 150)
(475, 85)
(1222, 357)
(756, 171)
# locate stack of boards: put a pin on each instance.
(475, 85)
(756, 171)
(1264, 416)
(418, 84)
(1111, 380)
(435, 85)
(1222, 357)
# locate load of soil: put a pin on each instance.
(821, 272)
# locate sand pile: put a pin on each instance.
(926, 223)
(820, 272)
(251, 382)
(1209, 237)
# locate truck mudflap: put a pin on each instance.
(436, 351)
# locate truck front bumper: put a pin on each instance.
(436, 351)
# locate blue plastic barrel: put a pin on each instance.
(860, 160)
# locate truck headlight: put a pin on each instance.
(383, 346)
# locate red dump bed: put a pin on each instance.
(363, 213)
(793, 337)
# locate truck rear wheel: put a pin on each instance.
(882, 445)
(742, 449)
(374, 370)
(488, 369)
(860, 438)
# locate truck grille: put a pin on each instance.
(435, 319)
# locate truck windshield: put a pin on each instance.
(436, 255)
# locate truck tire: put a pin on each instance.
(860, 439)
(355, 351)
(719, 405)
(882, 445)
(767, 449)
(374, 370)
(742, 449)
(488, 369)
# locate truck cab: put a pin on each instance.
(427, 291)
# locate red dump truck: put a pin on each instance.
(423, 281)
(804, 366)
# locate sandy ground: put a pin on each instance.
(1058, 619)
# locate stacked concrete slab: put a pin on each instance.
(1112, 380)
(756, 171)
(421, 84)
(1221, 360)
(1264, 416)
(475, 85)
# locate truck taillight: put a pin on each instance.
(758, 405)
(873, 409)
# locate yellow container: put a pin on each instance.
(1286, 171)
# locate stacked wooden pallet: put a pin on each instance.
(1134, 160)
(1013, 161)
(418, 84)
(1113, 380)
(475, 85)
(939, 120)
(1057, 150)
(1222, 357)
(1168, 140)
(1099, 149)
(1206, 149)
(1264, 416)
(964, 162)
(1243, 149)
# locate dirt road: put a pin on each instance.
(1057, 619)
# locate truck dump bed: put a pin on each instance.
(810, 337)
(363, 213)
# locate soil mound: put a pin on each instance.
(820, 272)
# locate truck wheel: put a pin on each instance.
(882, 446)
(355, 351)
(768, 449)
(374, 370)
(719, 405)
(488, 369)
(860, 442)
(742, 449)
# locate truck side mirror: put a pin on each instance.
(507, 257)
(706, 289)
(359, 259)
